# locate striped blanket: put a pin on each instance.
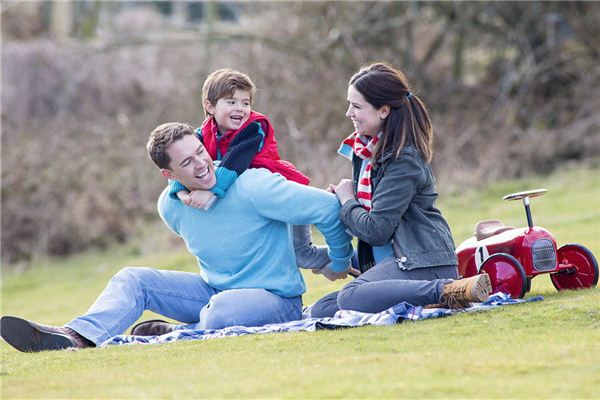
(343, 319)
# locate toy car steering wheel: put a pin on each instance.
(527, 193)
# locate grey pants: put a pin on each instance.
(307, 254)
(384, 286)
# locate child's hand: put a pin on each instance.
(330, 188)
(201, 199)
(184, 196)
(330, 274)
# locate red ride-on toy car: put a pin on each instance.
(514, 256)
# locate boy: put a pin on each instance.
(241, 138)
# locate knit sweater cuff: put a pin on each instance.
(174, 188)
(225, 179)
(340, 264)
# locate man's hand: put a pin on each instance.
(202, 199)
(344, 190)
(331, 275)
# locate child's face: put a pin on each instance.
(367, 120)
(231, 112)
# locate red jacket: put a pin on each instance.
(267, 157)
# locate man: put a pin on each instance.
(243, 245)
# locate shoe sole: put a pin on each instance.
(482, 288)
(136, 326)
(26, 337)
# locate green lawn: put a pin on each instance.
(549, 349)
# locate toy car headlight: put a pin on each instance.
(544, 255)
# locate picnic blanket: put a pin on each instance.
(342, 319)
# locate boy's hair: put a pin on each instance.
(161, 137)
(223, 83)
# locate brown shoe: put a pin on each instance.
(27, 336)
(460, 293)
(153, 327)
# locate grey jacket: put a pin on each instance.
(403, 211)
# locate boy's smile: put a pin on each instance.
(231, 113)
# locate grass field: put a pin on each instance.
(548, 349)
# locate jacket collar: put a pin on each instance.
(388, 154)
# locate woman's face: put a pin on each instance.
(367, 120)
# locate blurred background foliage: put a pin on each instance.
(513, 89)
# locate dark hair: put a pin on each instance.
(224, 82)
(408, 123)
(161, 137)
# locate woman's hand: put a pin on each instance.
(345, 190)
(353, 272)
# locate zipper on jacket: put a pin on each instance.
(400, 262)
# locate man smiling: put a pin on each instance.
(243, 245)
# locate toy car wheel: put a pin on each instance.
(506, 274)
(583, 271)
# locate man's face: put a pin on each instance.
(191, 164)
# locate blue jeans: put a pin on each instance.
(384, 286)
(181, 296)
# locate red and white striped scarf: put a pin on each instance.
(363, 147)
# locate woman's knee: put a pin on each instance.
(346, 298)
(325, 306)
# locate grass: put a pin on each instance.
(549, 349)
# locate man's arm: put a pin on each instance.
(286, 201)
(165, 207)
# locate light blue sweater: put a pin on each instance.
(245, 241)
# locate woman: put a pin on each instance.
(405, 248)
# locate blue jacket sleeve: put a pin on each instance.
(238, 157)
(174, 187)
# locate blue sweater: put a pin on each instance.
(245, 240)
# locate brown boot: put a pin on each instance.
(153, 327)
(27, 336)
(460, 293)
